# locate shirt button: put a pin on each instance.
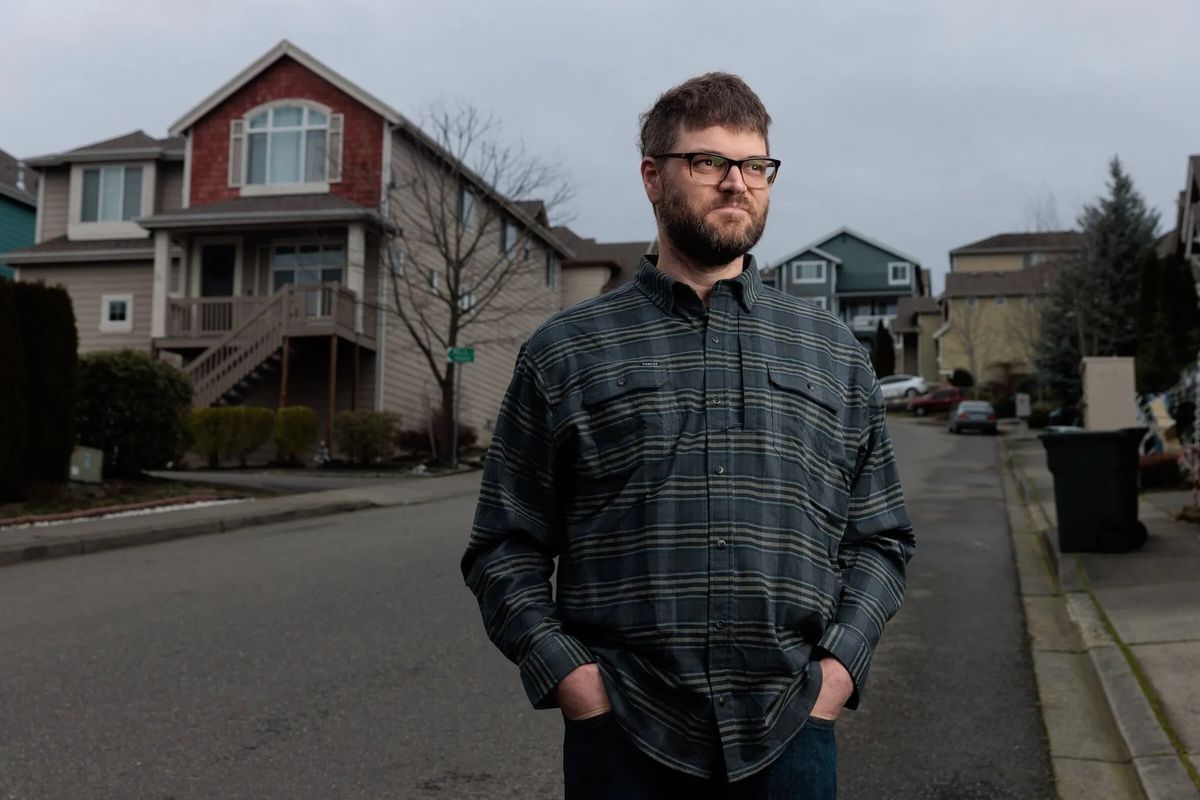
(721, 544)
(621, 382)
(720, 624)
(720, 470)
(716, 401)
(811, 386)
(723, 699)
(716, 340)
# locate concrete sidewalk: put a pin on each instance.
(1136, 616)
(76, 538)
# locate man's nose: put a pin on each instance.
(733, 181)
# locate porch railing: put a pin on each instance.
(311, 309)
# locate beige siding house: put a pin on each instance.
(264, 244)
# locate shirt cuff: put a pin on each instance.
(553, 658)
(850, 647)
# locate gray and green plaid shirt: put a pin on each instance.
(719, 489)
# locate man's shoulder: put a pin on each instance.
(586, 318)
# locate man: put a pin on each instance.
(707, 459)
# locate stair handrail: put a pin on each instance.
(233, 350)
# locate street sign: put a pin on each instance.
(461, 355)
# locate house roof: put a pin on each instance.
(133, 145)
(815, 246)
(1031, 281)
(9, 171)
(282, 50)
(61, 249)
(909, 308)
(1024, 242)
(621, 257)
(263, 209)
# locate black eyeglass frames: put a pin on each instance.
(710, 169)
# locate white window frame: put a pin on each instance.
(300, 242)
(239, 149)
(123, 229)
(796, 266)
(820, 301)
(116, 326)
(893, 280)
(508, 236)
(551, 270)
(466, 300)
(467, 207)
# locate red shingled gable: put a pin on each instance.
(362, 144)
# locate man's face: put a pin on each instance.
(711, 225)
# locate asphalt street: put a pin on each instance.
(343, 658)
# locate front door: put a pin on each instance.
(217, 262)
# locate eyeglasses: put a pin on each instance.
(710, 169)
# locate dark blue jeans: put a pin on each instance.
(601, 763)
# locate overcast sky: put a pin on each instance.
(926, 125)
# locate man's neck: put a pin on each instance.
(675, 264)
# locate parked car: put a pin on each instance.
(895, 386)
(973, 415)
(940, 400)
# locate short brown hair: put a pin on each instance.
(715, 98)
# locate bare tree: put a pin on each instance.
(461, 244)
(966, 331)
(1041, 214)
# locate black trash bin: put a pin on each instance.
(1096, 489)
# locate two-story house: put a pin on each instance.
(254, 245)
(991, 306)
(18, 208)
(859, 279)
(1186, 239)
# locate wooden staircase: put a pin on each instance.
(224, 371)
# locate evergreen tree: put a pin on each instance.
(883, 352)
(1094, 300)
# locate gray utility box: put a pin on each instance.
(87, 465)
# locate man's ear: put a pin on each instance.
(651, 179)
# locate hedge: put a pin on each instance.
(12, 396)
(365, 436)
(295, 432)
(50, 341)
(131, 406)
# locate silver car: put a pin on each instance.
(896, 386)
(973, 415)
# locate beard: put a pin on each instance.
(707, 246)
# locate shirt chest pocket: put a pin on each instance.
(630, 418)
(803, 421)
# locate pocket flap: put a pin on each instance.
(794, 382)
(630, 379)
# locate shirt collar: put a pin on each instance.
(665, 291)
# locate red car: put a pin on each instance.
(937, 401)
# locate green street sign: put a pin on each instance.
(461, 355)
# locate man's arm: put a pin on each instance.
(517, 534)
(873, 554)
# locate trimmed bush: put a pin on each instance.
(365, 436)
(1039, 415)
(50, 343)
(252, 428)
(295, 432)
(131, 407)
(12, 396)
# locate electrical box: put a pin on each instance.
(87, 465)
(1109, 394)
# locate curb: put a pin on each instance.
(1157, 764)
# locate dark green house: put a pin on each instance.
(18, 208)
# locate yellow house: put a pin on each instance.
(991, 307)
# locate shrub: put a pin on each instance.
(12, 396)
(962, 379)
(295, 432)
(50, 344)
(365, 436)
(251, 428)
(1039, 415)
(414, 441)
(130, 406)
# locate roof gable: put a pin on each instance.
(815, 246)
(1023, 242)
(281, 50)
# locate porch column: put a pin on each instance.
(162, 281)
(356, 257)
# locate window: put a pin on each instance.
(111, 194)
(972, 300)
(999, 300)
(306, 263)
(466, 207)
(508, 236)
(116, 313)
(1033, 259)
(551, 270)
(435, 281)
(466, 300)
(819, 302)
(808, 272)
(899, 273)
(285, 145)
(176, 284)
